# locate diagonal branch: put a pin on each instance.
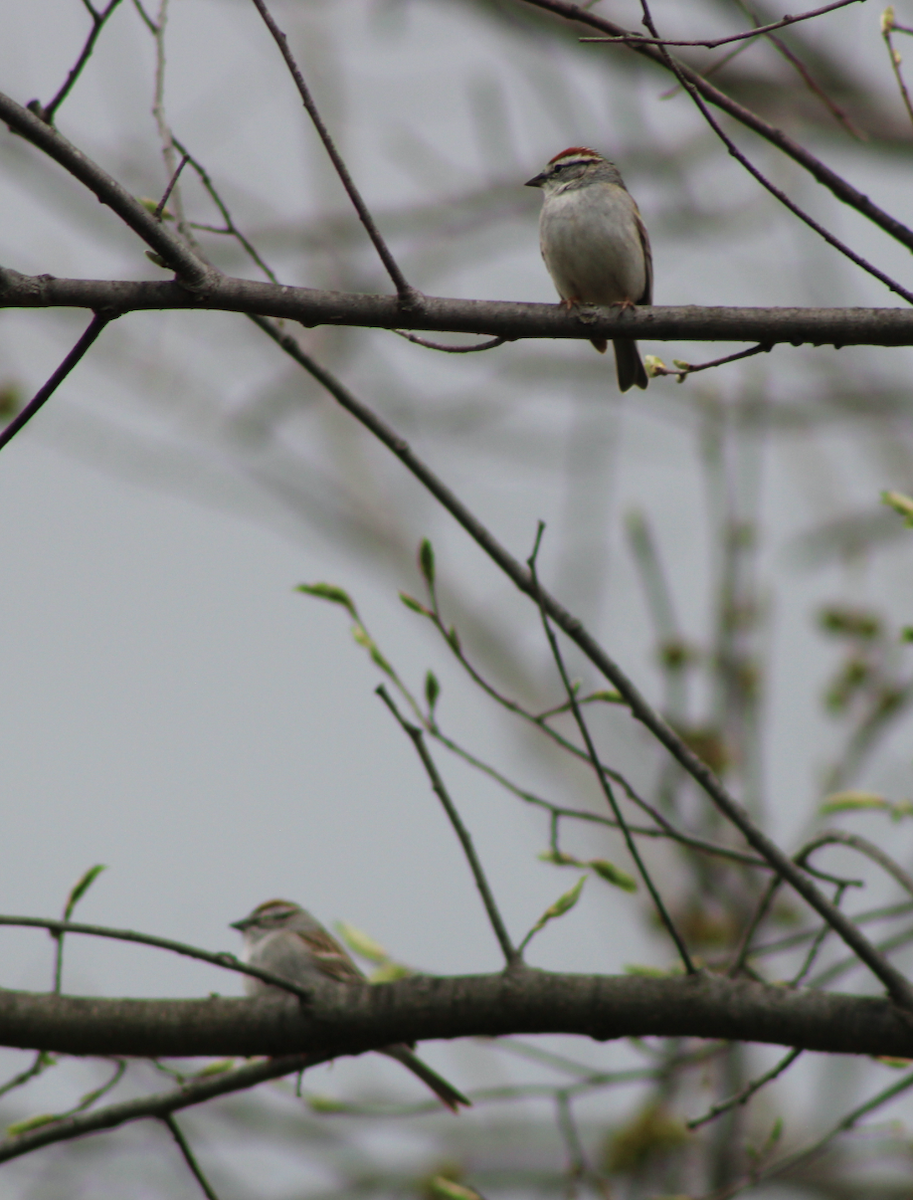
(47, 390)
(406, 292)
(161, 1105)
(601, 775)
(48, 111)
(193, 272)
(227, 961)
(189, 1156)
(511, 954)
(829, 178)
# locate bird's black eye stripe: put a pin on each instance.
(577, 162)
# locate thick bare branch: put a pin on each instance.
(343, 1020)
(511, 320)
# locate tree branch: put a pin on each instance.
(638, 39)
(197, 1091)
(193, 271)
(344, 1020)
(510, 319)
(407, 294)
(44, 393)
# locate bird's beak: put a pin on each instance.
(536, 181)
(240, 925)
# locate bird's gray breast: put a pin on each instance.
(591, 245)
(284, 955)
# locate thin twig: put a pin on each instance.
(230, 226)
(759, 175)
(681, 370)
(790, 940)
(42, 1061)
(817, 942)
(179, 257)
(894, 981)
(721, 62)
(160, 208)
(667, 829)
(44, 393)
(420, 341)
(98, 21)
(815, 88)
(189, 1156)
(408, 295)
(166, 138)
(802, 1156)
(746, 1093)
(150, 24)
(159, 1105)
(577, 1166)
(863, 846)
(887, 26)
(835, 970)
(511, 954)
(661, 909)
(664, 829)
(638, 39)
(227, 961)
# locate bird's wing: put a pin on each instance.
(330, 957)
(647, 297)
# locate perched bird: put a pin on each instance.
(281, 937)
(595, 244)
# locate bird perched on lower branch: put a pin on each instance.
(281, 937)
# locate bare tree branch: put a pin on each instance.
(759, 175)
(44, 393)
(347, 1019)
(189, 1156)
(661, 909)
(637, 39)
(511, 954)
(227, 961)
(160, 1105)
(47, 112)
(511, 320)
(406, 292)
(171, 249)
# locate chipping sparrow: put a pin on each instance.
(283, 938)
(595, 244)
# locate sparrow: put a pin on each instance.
(595, 244)
(282, 937)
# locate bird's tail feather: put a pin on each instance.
(628, 365)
